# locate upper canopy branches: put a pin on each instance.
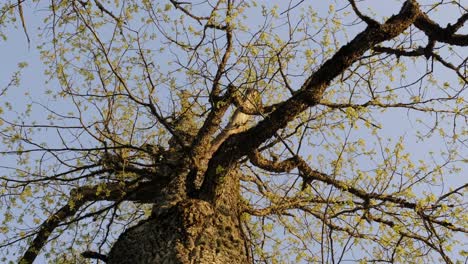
(152, 102)
(311, 92)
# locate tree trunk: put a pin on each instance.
(190, 231)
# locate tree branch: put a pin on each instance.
(178, 5)
(309, 95)
(436, 32)
(94, 255)
(273, 166)
(132, 191)
(370, 22)
(219, 103)
(428, 52)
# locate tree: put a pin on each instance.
(177, 132)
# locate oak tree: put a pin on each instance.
(236, 132)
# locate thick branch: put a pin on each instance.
(309, 95)
(46, 229)
(437, 33)
(310, 175)
(220, 103)
(94, 255)
(274, 166)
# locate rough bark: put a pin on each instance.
(189, 231)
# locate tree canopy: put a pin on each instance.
(250, 131)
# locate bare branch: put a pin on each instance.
(23, 23)
(179, 5)
(105, 10)
(447, 35)
(370, 22)
(94, 255)
(274, 166)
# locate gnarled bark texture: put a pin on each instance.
(189, 231)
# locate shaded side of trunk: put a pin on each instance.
(191, 231)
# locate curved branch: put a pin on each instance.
(46, 229)
(78, 197)
(447, 35)
(273, 166)
(369, 21)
